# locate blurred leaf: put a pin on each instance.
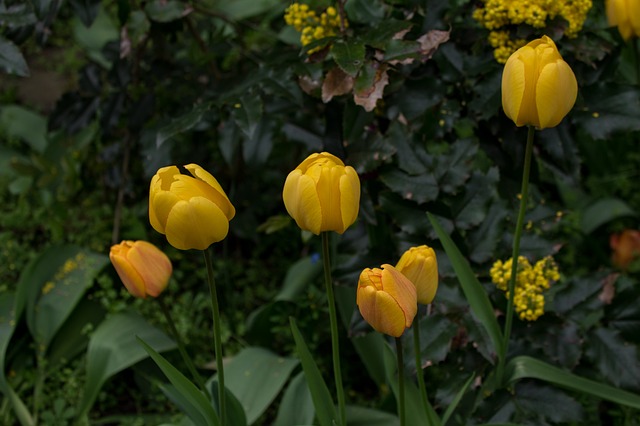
(471, 209)
(407, 215)
(166, 10)
(322, 401)
(616, 359)
(257, 147)
(365, 11)
(548, 403)
(370, 348)
(72, 339)
(455, 167)
(420, 188)
(19, 122)
(63, 275)
(574, 291)
(473, 290)
(191, 400)
(524, 367)
(349, 55)
(369, 87)
(486, 237)
(361, 416)
(92, 39)
(86, 10)
(563, 345)
(436, 332)
(624, 313)
(298, 277)
(236, 415)
(113, 347)
(397, 50)
(379, 35)
(296, 407)
(603, 211)
(414, 411)
(256, 376)
(11, 59)
(242, 9)
(456, 400)
(10, 312)
(610, 108)
(182, 124)
(17, 15)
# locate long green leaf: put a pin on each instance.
(322, 401)
(473, 290)
(191, 399)
(524, 367)
(296, 407)
(256, 376)
(451, 408)
(9, 315)
(113, 347)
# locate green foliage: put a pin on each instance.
(409, 95)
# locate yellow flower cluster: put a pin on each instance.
(498, 15)
(311, 26)
(531, 282)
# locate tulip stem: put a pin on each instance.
(216, 337)
(333, 319)
(516, 252)
(419, 373)
(400, 380)
(183, 352)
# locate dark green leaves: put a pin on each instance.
(11, 60)
(349, 55)
(611, 108)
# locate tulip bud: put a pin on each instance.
(624, 14)
(538, 86)
(387, 300)
(193, 212)
(626, 248)
(322, 194)
(142, 267)
(420, 265)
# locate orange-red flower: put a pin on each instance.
(626, 247)
(143, 268)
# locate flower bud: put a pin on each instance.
(192, 211)
(142, 267)
(420, 265)
(538, 86)
(624, 14)
(387, 300)
(322, 194)
(626, 248)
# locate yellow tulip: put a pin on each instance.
(143, 268)
(387, 300)
(420, 265)
(322, 194)
(192, 211)
(538, 86)
(624, 14)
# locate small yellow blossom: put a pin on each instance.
(531, 282)
(311, 26)
(502, 17)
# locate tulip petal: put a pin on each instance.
(381, 311)
(161, 206)
(327, 177)
(290, 192)
(556, 93)
(349, 197)
(513, 87)
(402, 290)
(308, 214)
(131, 279)
(152, 265)
(213, 189)
(196, 224)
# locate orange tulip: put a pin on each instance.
(143, 268)
(626, 248)
(387, 300)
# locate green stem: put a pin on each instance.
(400, 380)
(216, 337)
(636, 43)
(37, 388)
(183, 352)
(516, 252)
(419, 373)
(333, 319)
